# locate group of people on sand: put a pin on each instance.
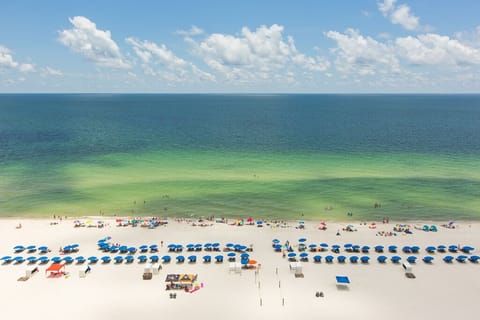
(386, 233)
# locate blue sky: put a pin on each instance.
(364, 46)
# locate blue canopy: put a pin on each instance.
(219, 257)
(172, 246)
(379, 248)
(32, 259)
(274, 241)
(353, 258)
(382, 258)
(347, 245)
(154, 258)
(166, 258)
(129, 258)
(317, 258)
(292, 254)
(302, 240)
(343, 279)
(313, 245)
(190, 246)
(396, 259)
(406, 249)
(92, 259)
(324, 245)
(365, 248)
(68, 259)
(303, 255)
(132, 249)
(118, 259)
(467, 249)
(231, 254)
(207, 258)
(411, 259)
(106, 259)
(19, 248)
(341, 258)
(335, 246)
(75, 245)
(278, 246)
(430, 248)
(415, 249)
(80, 258)
(192, 257)
(215, 244)
(180, 258)
(441, 247)
(143, 247)
(43, 259)
(56, 259)
(392, 248)
(32, 247)
(448, 258)
(43, 248)
(229, 245)
(153, 246)
(244, 255)
(329, 258)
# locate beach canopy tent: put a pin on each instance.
(441, 248)
(56, 268)
(448, 259)
(341, 259)
(129, 259)
(317, 258)
(18, 248)
(392, 248)
(365, 249)
(430, 249)
(379, 248)
(118, 259)
(395, 259)
(411, 259)
(415, 249)
(329, 258)
(353, 259)
(467, 249)
(462, 258)
(474, 258)
(342, 280)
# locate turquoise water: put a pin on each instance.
(285, 156)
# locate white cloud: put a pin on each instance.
(254, 55)
(363, 55)
(400, 14)
(194, 31)
(434, 49)
(173, 68)
(94, 44)
(7, 62)
(51, 72)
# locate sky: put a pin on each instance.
(248, 46)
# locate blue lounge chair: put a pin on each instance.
(166, 259)
(353, 259)
(118, 259)
(427, 259)
(430, 249)
(80, 259)
(192, 259)
(207, 259)
(379, 249)
(462, 258)
(365, 259)
(317, 259)
(407, 249)
(329, 259)
(180, 259)
(68, 260)
(142, 259)
(341, 259)
(392, 249)
(106, 259)
(154, 258)
(219, 258)
(129, 259)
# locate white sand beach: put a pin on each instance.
(117, 291)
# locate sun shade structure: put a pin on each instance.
(427, 259)
(56, 268)
(343, 280)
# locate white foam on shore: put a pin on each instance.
(377, 291)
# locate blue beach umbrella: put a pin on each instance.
(230, 245)
(215, 244)
(18, 248)
(43, 259)
(335, 246)
(324, 245)
(441, 248)
(317, 258)
(43, 249)
(428, 259)
(415, 249)
(143, 247)
(302, 240)
(118, 259)
(406, 249)
(355, 247)
(56, 259)
(198, 247)
(312, 246)
(462, 258)
(132, 249)
(292, 255)
(395, 259)
(364, 259)
(379, 248)
(448, 259)
(6, 258)
(68, 259)
(382, 259)
(474, 259)
(142, 258)
(106, 259)
(166, 258)
(192, 258)
(219, 258)
(92, 259)
(412, 259)
(32, 248)
(392, 248)
(114, 249)
(430, 249)
(190, 246)
(353, 259)
(31, 259)
(231, 254)
(365, 249)
(303, 255)
(129, 259)
(467, 249)
(341, 259)
(153, 247)
(180, 258)
(207, 258)
(18, 259)
(154, 258)
(347, 245)
(80, 259)
(277, 247)
(453, 248)
(329, 258)
(123, 249)
(244, 256)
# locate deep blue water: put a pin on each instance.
(52, 128)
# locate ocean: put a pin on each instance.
(273, 156)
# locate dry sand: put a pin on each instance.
(110, 291)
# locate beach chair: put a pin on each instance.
(166, 259)
(474, 259)
(192, 259)
(180, 259)
(411, 259)
(395, 259)
(462, 259)
(207, 259)
(106, 259)
(154, 258)
(317, 259)
(392, 249)
(353, 259)
(379, 249)
(129, 259)
(118, 259)
(329, 259)
(365, 249)
(219, 259)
